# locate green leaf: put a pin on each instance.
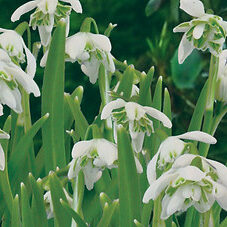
(53, 101)
(104, 198)
(129, 192)
(57, 193)
(26, 211)
(152, 6)
(15, 221)
(38, 207)
(76, 217)
(184, 75)
(167, 110)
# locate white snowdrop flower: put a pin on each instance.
(92, 157)
(192, 181)
(14, 45)
(90, 50)
(10, 76)
(135, 118)
(49, 204)
(47, 15)
(221, 91)
(3, 135)
(172, 147)
(205, 31)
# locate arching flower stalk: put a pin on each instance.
(135, 118)
(47, 15)
(205, 31)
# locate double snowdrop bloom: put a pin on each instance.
(203, 32)
(47, 15)
(221, 91)
(49, 204)
(192, 181)
(134, 117)
(92, 157)
(172, 147)
(14, 45)
(90, 50)
(3, 135)
(11, 75)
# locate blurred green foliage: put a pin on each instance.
(144, 38)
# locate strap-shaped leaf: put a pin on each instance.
(53, 101)
(15, 220)
(129, 193)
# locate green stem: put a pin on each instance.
(156, 221)
(86, 25)
(206, 219)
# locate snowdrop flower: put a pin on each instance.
(90, 50)
(49, 204)
(134, 117)
(192, 181)
(10, 76)
(47, 15)
(221, 91)
(172, 147)
(92, 157)
(203, 32)
(3, 135)
(14, 45)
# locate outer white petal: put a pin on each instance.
(185, 49)
(67, 21)
(183, 160)
(17, 96)
(108, 108)
(198, 136)
(100, 41)
(181, 28)
(221, 195)
(44, 59)
(49, 208)
(1, 110)
(4, 135)
(151, 168)
(139, 167)
(203, 206)
(45, 35)
(91, 175)
(82, 148)
(137, 142)
(194, 8)
(24, 79)
(23, 9)
(111, 65)
(75, 5)
(158, 186)
(107, 151)
(222, 68)
(75, 45)
(198, 31)
(31, 61)
(74, 168)
(2, 159)
(4, 56)
(158, 115)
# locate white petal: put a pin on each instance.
(198, 31)
(137, 142)
(4, 56)
(22, 10)
(67, 21)
(191, 173)
(75, 45)
(111, 65)
(91, 175)
(108, 108)
(198, 136)
(45, 35)
(107, 151)
(74, 168)
(185, 49)
(134, 111)
(31, 61)
(221, 195)
(100, 41)
(159, 116)
(43, 60)
(203, 206)
(183, 160)
(158, 186)
(191, 191)
(4, 135)
(194, 8)
(75, 5)
(24, 79)
(151, 168)
(17, 96)
(81, 148)
(182, 28)
(139, 167)
(2, 159)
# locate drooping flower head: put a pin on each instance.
(11, 75)
(135, 118)
(92, 157)
(47, 15)
(172, 147)
(192, 181)
(90, 50)
(221, 91)
(205, 31)
(3, 135)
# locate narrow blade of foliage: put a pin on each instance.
(152, 6)
(53, 101)
(15, 221)
(129, 193)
